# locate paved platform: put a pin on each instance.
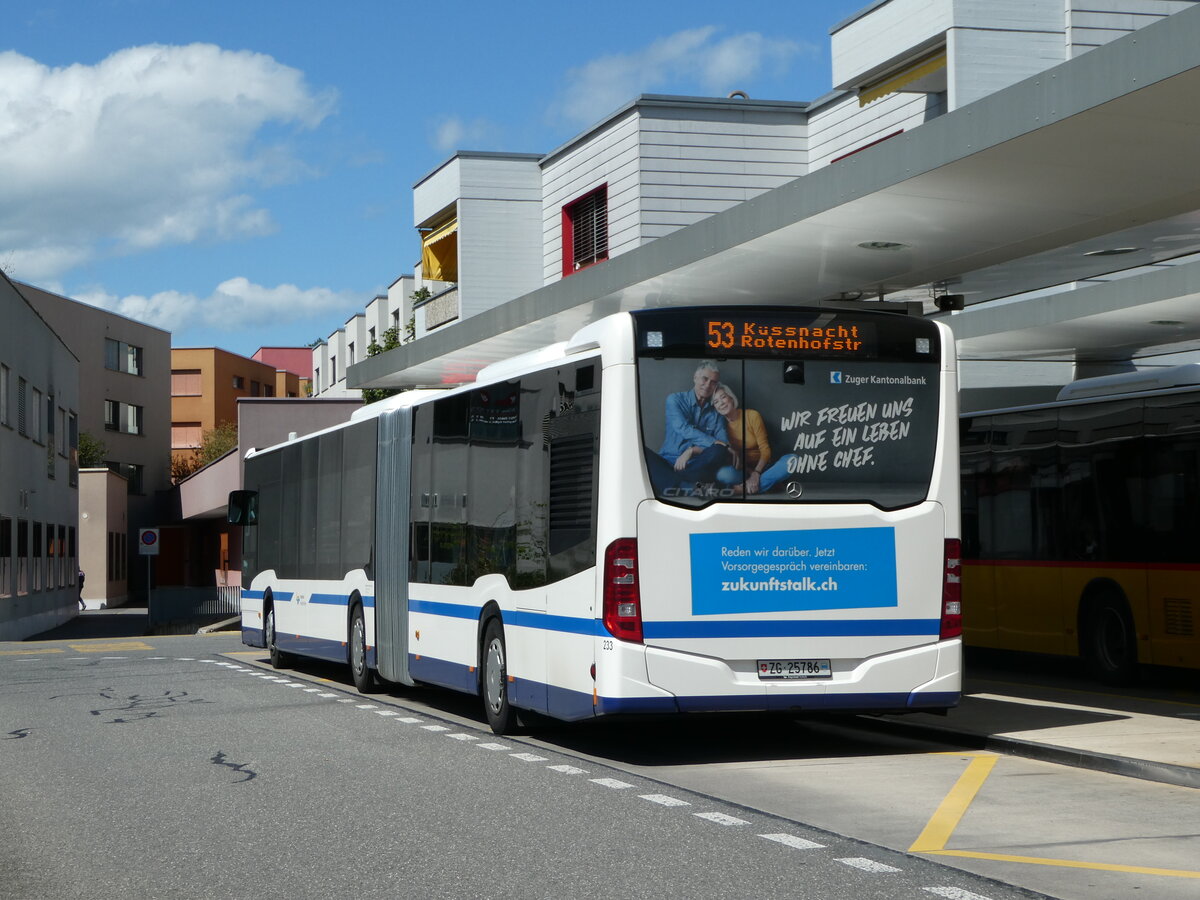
(1151, 733)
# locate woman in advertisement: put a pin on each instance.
(752, 470)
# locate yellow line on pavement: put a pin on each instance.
(37, 652)
(1068, 863)
(107, 646)
(939, 828)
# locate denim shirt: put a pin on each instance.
(690, 425)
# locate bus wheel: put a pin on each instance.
(1109, 641)
(501, 717)
(364, 678)
(279, 659)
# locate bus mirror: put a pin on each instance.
(243, 507)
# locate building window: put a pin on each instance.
(122, 357)
(585, 231)
(350, 354)
(3, 395)
(21, 390)
(268, 390)
(185, 383)
(333, 370)
(239, 383)
(317, 378)
(35, 418)
(185, 435)
(132, 473)
(73, 447)
(396, 318)
(255, 388)
(122, 417)
(371, 334)
(63, 434)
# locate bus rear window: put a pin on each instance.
(759, 428)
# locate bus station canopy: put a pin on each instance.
(1086, 169)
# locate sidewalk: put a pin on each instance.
(124, 622)
(1155, 737)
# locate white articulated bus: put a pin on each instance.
(676, 510)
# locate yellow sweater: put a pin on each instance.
(748, 432)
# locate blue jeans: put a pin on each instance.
(700, 468)
(770, 477)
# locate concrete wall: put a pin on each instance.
(103, 523)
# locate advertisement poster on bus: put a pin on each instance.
(786, 571)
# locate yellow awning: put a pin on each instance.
(898, 81)
(439, 253)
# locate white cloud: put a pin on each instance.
(153, 145)
(697, 58)
(236, 304)
(452, 133)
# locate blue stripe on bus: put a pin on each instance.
(792, 628)
(696, 629)
(570, 705)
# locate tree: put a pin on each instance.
(91, 451)
(214, 443)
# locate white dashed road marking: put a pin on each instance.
(664, 800)
(462, 736)
(953, 893)
(493, 746)
(721, 818)
(868, 865)
(790, 840)
(567, 770)
(611, 783)
(435, 727)
(528, 757)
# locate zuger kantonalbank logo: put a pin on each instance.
(840, 378)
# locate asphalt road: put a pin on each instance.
(158, 767)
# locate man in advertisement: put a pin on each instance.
(695, 445)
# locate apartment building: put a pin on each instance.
(39, 475)
(124, 404)
(1027, 158)
(350, 344)
(205, 385)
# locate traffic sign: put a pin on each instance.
(148, 541)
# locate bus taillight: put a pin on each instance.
(952, 590)
(622, 598)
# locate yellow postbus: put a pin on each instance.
(1081, 523)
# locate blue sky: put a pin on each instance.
(240, 173)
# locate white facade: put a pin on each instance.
(668, 163)
(39, 476)
(349, 344)
(495, 199)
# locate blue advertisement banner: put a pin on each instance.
(783, 571)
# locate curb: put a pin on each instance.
(223, 625)
(1146, 770)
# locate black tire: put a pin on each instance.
(493, 670)
(356, 644)
(1108, 641)
(279, 659)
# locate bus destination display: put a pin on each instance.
(778, 335)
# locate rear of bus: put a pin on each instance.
(831, 585)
